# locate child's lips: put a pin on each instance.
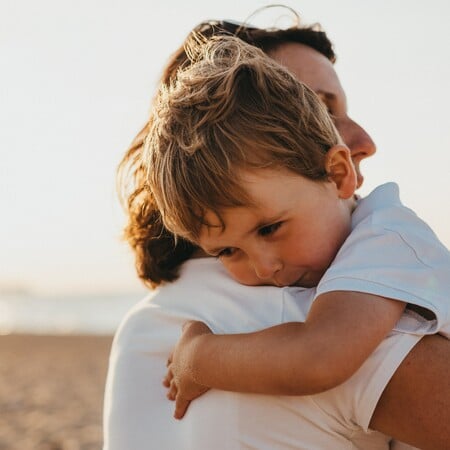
(308, 279)
(300, 281)
(287, 281)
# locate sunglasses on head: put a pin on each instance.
(218, 27)
(244, 28)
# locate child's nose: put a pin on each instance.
(266, 268)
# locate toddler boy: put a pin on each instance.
(244, 161)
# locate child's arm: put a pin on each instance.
(342, 329)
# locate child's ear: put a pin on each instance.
(341, 171)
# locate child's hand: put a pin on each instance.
(179, 380)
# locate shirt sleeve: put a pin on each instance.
(355, 400)
(396, 265)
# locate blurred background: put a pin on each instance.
(77, 78)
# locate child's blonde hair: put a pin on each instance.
(232, 108)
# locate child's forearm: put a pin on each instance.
(284, 360)
(342, 330)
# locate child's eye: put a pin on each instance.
(226, 252)
(269, 229)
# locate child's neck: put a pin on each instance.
(352, 202)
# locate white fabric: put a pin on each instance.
(392, 253)
(138, 416)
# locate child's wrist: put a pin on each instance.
(201, 353)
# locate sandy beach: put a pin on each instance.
(51, 391)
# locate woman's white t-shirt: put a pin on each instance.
(138, 416)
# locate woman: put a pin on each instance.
(395, 392)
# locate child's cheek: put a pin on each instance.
(242, 272)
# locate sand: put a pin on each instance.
(51, 392)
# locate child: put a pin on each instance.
(244, 161)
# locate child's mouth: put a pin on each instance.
(308, 280)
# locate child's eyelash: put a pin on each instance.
(267, 230)
(224, 253)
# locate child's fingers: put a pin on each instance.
(187, 324)
(168, 378)
(173, 391)
(181, 406)
(194, 327)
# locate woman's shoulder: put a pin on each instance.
(204, 291)
(168, 306)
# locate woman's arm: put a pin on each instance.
(415, 406)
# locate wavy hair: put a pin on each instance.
(232, 108)
(158, 255)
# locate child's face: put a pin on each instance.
(291, 235)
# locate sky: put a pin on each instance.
(76, 80)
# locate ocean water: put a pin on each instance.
(88, 314)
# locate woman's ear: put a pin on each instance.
(341, 171)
